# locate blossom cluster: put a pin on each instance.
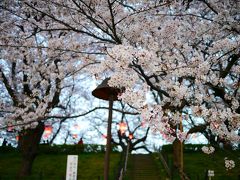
(229, 164)
(208, 149)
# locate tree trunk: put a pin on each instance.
(28, 146)
(178, 157)
(227, 145)
(177, 153)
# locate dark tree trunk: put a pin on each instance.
(178, 157)
(177, 149)
(227, 145)
(28, 146)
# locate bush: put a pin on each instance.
(73, 149)
(64, 149)
(168, 148)
(6, 149)
(193, 147)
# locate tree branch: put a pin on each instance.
(10, 91)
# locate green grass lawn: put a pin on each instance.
(53, 166)
(196, 165)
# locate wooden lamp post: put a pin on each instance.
(105, 92)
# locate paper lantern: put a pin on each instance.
(75, 136)
(130, 136)
(48, 130)
(122, 127)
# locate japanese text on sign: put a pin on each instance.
(72, 163)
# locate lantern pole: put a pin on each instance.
(109, 137)
(105, 92)
(126, 159)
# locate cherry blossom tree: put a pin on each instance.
(192, 66)
(188, 55)
(178, 60)
(38, 72)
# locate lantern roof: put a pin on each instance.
(105, 92)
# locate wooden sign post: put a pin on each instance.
(72, 164)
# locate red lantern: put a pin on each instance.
(17, 138)
(75, 136)
(130, 136)
(122, 127)
(47, 131)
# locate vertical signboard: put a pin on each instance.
(72, 164)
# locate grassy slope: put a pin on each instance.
(90, 166)
(197, 163)
(51, 167)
